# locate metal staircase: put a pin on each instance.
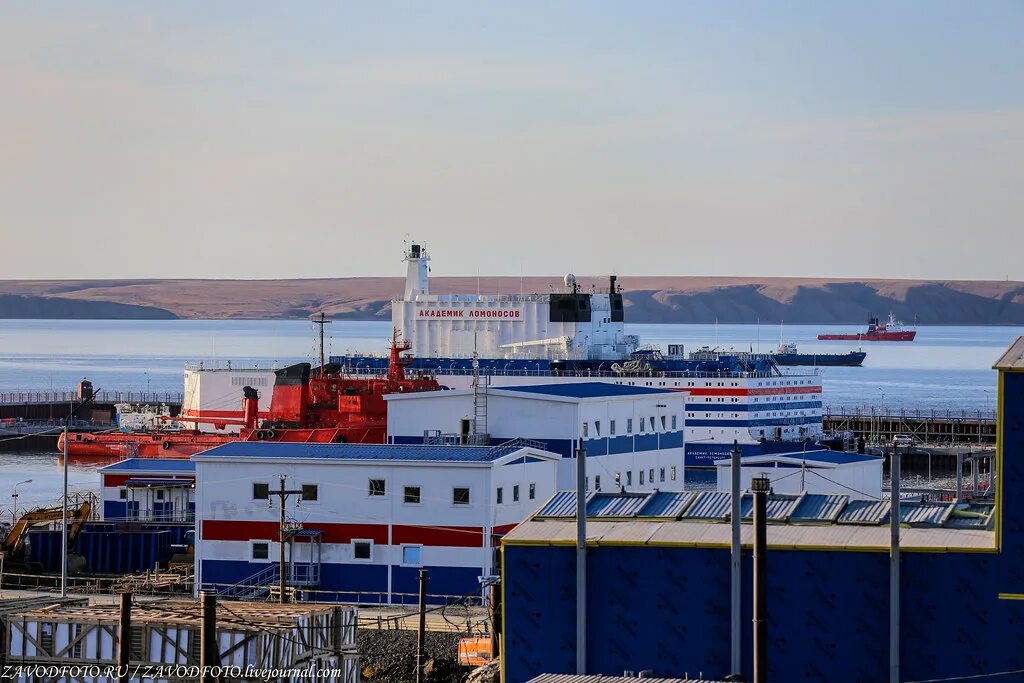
(255, 586)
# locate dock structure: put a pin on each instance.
(879, 425)
(296, 642)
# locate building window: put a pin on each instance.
(597, 482)
(362, 549)
(515, 493)
(310, 492)
(661, 472)
(460, 495)
(501, 495)
(160, 494)
(260, 491)
(122, 494)
(597, 428)
(641, 425)
(533, 491)
(377, 487)
(586, 431)
(611, 427)
(663, 423)
(673, 422)
(650, 475)
(652, 424)
(672, 472)
(641, 477)
(260, 550)
(629, 425)
(629, 477)
(412, 494)
(412, 555)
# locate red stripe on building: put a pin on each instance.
(452, 536)
(246, 530)
(504, 529)
(120, 479)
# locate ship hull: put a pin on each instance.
(852, 359)
(906, 335)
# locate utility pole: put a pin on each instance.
(124, 638)
(421, 635)
(760, 486)
(736, 640)
(894, 568)
(581, 558)
(285, 532)
(209, 651)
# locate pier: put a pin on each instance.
(929, 427)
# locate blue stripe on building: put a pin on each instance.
(752, 407)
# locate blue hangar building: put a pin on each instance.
(658, 588)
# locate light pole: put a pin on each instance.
(64, 498)
(14, 495)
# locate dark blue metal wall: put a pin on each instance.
(667, 608)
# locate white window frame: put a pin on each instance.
(469, 491)
(515, 493)
(533, 491)
(252, 550)
(362, 559)
(402, 548)
(305, 500)
(122, 493)
(252, 490)
(413, 486)
(371, 496)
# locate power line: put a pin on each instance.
(968, 677)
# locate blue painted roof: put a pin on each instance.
(819, 455)
(354, 451)
(151, 465)
(587, 390)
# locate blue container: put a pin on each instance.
(106, 550)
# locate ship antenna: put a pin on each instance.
(320, 322)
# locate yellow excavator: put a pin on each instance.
(13, 546)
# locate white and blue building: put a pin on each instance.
(633, 435)
(148, 490)
(824, 472)
(367, 519)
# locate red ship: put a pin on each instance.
(887, 331)
(320, 405)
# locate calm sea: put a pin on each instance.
(946, 368)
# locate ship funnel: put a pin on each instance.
(250, 406)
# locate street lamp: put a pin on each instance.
(14, 495)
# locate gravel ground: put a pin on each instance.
(390, 655)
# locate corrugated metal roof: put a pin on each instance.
(151, 465)
(865, 512)
(924, 513)
(667, 504)
(819, 508)
(710, 505)
(573, 678)
(562, 504)
(704, 534)
(354, 451)
(585, 390)
(779, 506)
(616, 504)
(1013, 357)
(970, 516)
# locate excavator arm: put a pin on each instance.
(14, 544)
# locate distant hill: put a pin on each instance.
(648, 299)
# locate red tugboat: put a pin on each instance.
(321, 405)
(887, 331)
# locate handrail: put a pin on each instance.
(871, 412)
(103, 396)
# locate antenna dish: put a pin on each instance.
(569, 280)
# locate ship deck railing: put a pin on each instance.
(104, 396)
(496, 372)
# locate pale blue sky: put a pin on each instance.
(308, 140)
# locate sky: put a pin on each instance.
(266, 140)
